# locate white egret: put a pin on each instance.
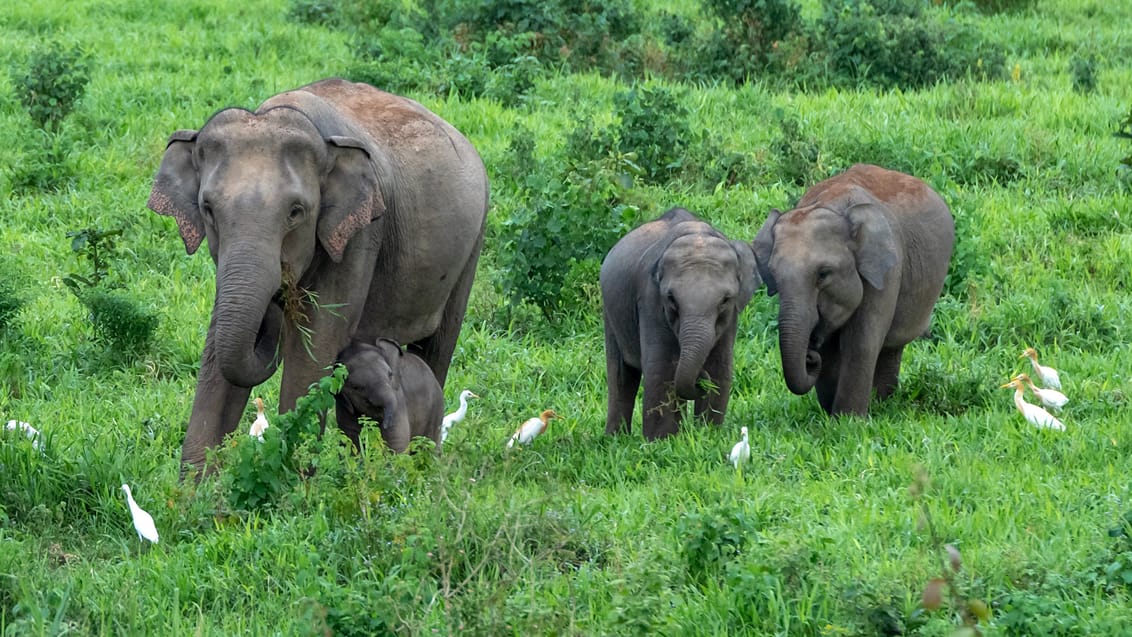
(741, 452)
(1049, 397)
(260, 425)
(143, 521)
(29, 431)
(1047, 375)
(531, 429)
(457, 415)
(1036, 415)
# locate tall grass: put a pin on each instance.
(582, 533)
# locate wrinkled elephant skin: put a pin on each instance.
(394, 388)
(333, 212)
(672, 290)
(858, 266)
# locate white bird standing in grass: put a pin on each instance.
(1036, 415)
(457, 415)
(741, 452)
(260, 425)
(1047, 375)
(531, 429)
(29, 431)
(1049, 397)
(143, 521)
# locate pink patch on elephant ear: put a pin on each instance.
(370, 208)
(191, 233)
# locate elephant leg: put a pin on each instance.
(217, 408)
(826, 385)
(887, 375)
(712, 406)
(856, 370)
(661, 409)
(437, 349)
(622, 382)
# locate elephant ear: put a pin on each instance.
(351, 195)
(176, 188)
(763, 245)
(875, 242)
(749, 279)
(393, 354)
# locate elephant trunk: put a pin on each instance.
(395, 426)
(800, 364)
(247, 323)
(696, 342)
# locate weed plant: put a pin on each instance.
(582, 533)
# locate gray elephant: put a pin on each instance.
(334, 211)
(858, 266)
(672, 290)
(392, 387)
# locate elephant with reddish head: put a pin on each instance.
(858, 266)
(672, 290)
(332, 212)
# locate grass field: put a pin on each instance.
(824, 531)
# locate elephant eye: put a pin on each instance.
(206, 211)
(297, 212)
(824, 274)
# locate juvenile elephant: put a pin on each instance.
(334, 211)
(392, 387)
(858, 266)
(672, 290)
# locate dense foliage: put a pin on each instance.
(942, 511)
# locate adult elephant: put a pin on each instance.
(334, 211)
(858, 266)
(672, 290)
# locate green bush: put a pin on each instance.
(120, 322)
(654, 128)
(797, 153)
(566, 218)
(745, 38)
(901, 44)
(11, 300)
(52, 83)
(1083, 69)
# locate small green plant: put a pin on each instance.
(256, 473)
(1083, 70)
(96, 247)
(969, 612)
(710, 539)
(11, 300)
(52, 83)
(797, 152)
(654, 127)
(1124, 131)
(118, 320)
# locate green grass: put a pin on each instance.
(582, 533)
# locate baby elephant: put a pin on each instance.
(394, 388)
(672, 291)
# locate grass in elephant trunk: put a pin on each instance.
(295, 302)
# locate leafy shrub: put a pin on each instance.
(52, 83)
(120, 321)
(796, 152)
(11, 300)
(1124, 131)
(566, 221)
(1003, 6)
(1083, 70)
(900, 43)
(255, 473)
(654, 128)
(320, 12)
(711, 539)
(746, 38)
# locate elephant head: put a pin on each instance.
(373, 388)
(273, 190)
(818, 261)
(704, 280)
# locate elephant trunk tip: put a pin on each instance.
(803, 383)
